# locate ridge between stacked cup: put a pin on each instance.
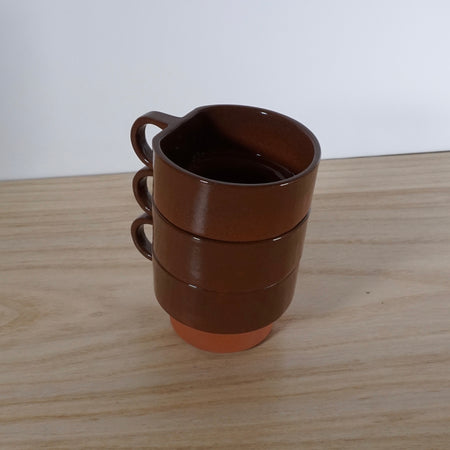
(230, 180)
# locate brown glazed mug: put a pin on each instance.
(222, 312)
(212, 264)
(232, 188)
(229, 172)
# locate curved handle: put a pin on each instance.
(140, 189)
(138, 234)
(138, 140)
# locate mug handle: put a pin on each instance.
(140, 189)
(138, 139)
(138, 234)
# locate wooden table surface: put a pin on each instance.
(361, 359)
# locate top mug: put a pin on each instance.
(230, 172)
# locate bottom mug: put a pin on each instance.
(221, 312)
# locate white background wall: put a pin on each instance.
(368, 77)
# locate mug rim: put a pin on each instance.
(238, 243)
(198, 288)
(178, 121)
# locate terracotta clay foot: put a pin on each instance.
(220, 343)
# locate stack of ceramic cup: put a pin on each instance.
(232, 189)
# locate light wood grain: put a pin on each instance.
(360, 360)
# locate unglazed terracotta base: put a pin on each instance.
(220, 343)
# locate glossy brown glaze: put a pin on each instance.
(226, 266)
(221, 210)
(218, 265)
(222, 312)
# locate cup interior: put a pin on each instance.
(239, 144)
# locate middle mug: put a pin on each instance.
(212, 264)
